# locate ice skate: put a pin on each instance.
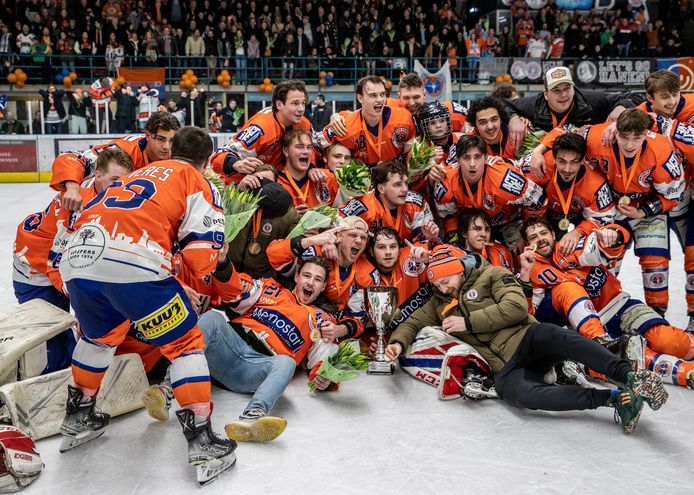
(633, 349)
(83, 422)
(649, 386)
(571, 373)
(477, 387)
(627, 408)
(255, 426)
(157, 399)
(209, 454)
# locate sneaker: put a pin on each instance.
(209, 454)
(649, 386)
(157, 399)
(627, 408)
(255, 426)
(83, 422)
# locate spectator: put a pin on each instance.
(36, 122)
(216, 116)
(239, 57)
(196, 97)
(623, 37)
(253, 54)
(536, 47)
(25, 40)
(126, 110)
(11, 125)
(288, 56)
(232, 116)
(77, 110)
(148, 104)
(319, 112)
(195, 49)
(179, 113)
(5, 44)
(115, 54)
(53, 109)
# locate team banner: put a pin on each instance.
(683, 66)
(437, 85)
(490, 67)
(613, 72)
(152, 78)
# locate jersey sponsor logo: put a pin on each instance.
(603, 196)
(440, 191)
(353, 208)
(684, 134)
(32, 222)
(458, 108)
(163, 320)
(414, 198)
(330, 134)
(86, 248)
(411, 268)
(513, 183)
(281, 325)
(308, 253)
(250, 135)
(418, 299)
(399, 137)
(673, 166)
(596, 279)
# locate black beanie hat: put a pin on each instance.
(276, 199)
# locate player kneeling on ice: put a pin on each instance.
(484, 306)
(118, 269)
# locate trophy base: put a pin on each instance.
(380, 368)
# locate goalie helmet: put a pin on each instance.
(434, 122)
(20, 462)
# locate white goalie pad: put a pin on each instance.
(460, 360)
(24, 330)
(20, 462)
(424, 357)
(37, 405)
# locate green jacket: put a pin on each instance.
(494, 307)
(271, 229)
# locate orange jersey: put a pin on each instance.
(129, 232)
(278, 319)
(587, 266)
(407, 220)
(660, 171)
(503, 148)
(681, 135)
(684, 112)
(591, 200)
(307, 192)
(260, 137)
(410, 278)
(504, 191)
(456, 111)
(371, 145)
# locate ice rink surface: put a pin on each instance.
(383, 434)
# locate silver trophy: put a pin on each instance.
(381, 305)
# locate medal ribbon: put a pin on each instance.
(256, 223)
(338, 281)
(303, 194)
(476, 198)
(561, 123)
(367, 134)
(634, 167)
(564, 202)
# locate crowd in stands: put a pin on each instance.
(237, 35)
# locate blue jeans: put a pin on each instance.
(240, 368)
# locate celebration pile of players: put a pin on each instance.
(489, 228)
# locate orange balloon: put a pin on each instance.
(225, 72)
(225, 84)
(21, 76)
(261, 87)
(322, 74)
(67, 82)
(72, 75)
(508, 78)
(19, 71)
(499, 79)
(20, 84)
(267, 81)
(268, 87)
(227, 78)
(190, 72)
(220, 78)
(321, 82)
(389, 84)
(121, 80)
(11, 78)
(194, 80)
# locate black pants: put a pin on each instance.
(520, 382)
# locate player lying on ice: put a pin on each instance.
(484, 306)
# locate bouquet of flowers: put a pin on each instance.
(531, 141)
(239, 208)
(354, 178)
(318, 217)
(420, 159)
(344, 364)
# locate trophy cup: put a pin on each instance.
(381, 304)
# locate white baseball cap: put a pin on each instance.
(558, 75)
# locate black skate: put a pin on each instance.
(211, 455)
(83, 422)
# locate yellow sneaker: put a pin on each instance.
(255, 426)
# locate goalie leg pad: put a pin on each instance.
(20, 462)
(423, 359)
(461, 365)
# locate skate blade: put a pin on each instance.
(264, 429)
(475, 392)
(70, 442)
(209, 471)
(155, 403)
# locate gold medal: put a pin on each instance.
(314, 335)
(564, 224)
(533, 246)
(624, 200)
(254, 248)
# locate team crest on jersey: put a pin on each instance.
(644, 178)
(603, 196)
(411, 268)
(657, 280)
(588, 307)
(399, 137)
(513, 183)
(87, 246)
(458, 108)
(250, 135)
(353, 208)
(663, 368)
(488, 202)
(577, 203)
(323, 193)
(164, 319)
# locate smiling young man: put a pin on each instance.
(374, 133)
(475, 236)
(647, 180)
(270, 332)
(70, 168)
(392, 204)
(294, 177)
(260, 139)
(484, 306)
(488, 117)
(499, 190)
(579, 289)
